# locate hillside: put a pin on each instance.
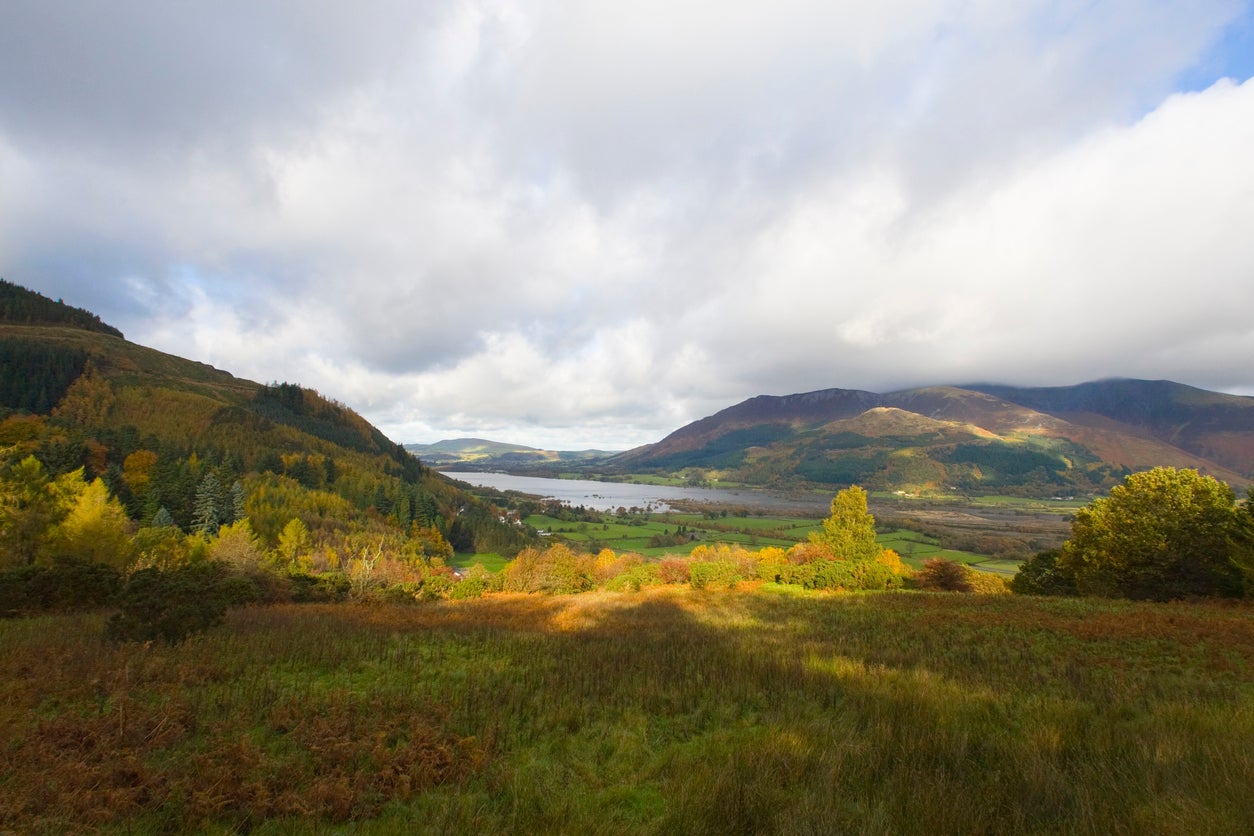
(75, 394)
(976, 439)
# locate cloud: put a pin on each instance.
(598, 222)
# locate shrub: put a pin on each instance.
(65, 585)
(834, 574)
(401, 593)
(709, 574)
(635, 578)
(987, 583)
(326, 587)
(170, 605)
(674, 570)
(436, 585)
(880, 575)
(939, 574)
(468, 587)
(801, 574)
(1039, 575)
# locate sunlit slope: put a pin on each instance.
(971, 439)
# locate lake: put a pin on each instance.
(608, 496)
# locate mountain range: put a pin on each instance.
(975, 439)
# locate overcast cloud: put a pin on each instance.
(586, 224)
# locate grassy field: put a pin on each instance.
(490, 561)
(624, 536)
(752, 532)
(915, 548)
(753, 711)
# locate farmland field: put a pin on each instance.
(633, 534)
(672, 711)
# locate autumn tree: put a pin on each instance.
(1162, 534)
(32, 504)
(849, 532)
(237, 547)
(96, 529)
(293, 544)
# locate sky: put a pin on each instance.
(583, 225)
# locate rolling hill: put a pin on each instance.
(975, 439)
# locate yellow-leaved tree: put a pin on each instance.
(32, 506)
(96, 529)
(849, 532)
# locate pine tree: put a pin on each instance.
(205, 513)
(237, 502)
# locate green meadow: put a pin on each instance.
(635, 533)
(758, 710)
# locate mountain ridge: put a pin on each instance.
(983, 438)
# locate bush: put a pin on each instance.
(1039, 575)
(674, 570)
(172, 604)
(468, 588)
(402, 593)
(987, 583)
(939, 574)
(800, 574)
(834, 574)
(879, 576)
(435, 586)
(706, 574)
(635, 578)
(557, 570)
(65, 585)
(328, 587)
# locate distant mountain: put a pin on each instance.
(977, 439)
(467, 453)
(74, 393)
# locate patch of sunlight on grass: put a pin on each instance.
(883, 677)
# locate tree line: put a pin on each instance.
(27, 307)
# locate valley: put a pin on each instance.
(228, 606)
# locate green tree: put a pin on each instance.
(235, 504)
(163, 519)
(208, 508)
(1039, 575)
(849, 533)
(1162, 534)
(163, 547)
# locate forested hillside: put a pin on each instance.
(105, 441)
